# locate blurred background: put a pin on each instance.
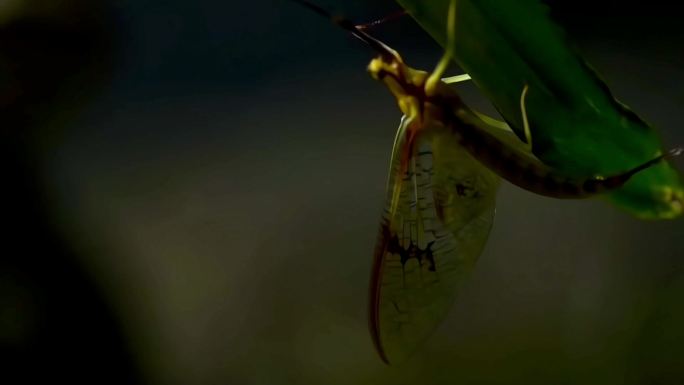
(192, 192)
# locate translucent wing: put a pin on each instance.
(436, 222)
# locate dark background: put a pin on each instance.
(192, 188)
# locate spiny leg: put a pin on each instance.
(443, 64)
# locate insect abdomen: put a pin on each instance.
(529, 173)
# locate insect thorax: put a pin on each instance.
(408, 86)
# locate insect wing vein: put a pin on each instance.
(437, 219)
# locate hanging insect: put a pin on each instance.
(445, 170)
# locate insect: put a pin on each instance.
(445, 170)
(580, 126)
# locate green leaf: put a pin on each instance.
(577, 126)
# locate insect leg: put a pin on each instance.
(526, 122)
(402, 153)
(456, 79)
(396, 164)
(436, 75)
(493, 122)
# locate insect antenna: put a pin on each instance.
(374, 23)
(387, 53)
